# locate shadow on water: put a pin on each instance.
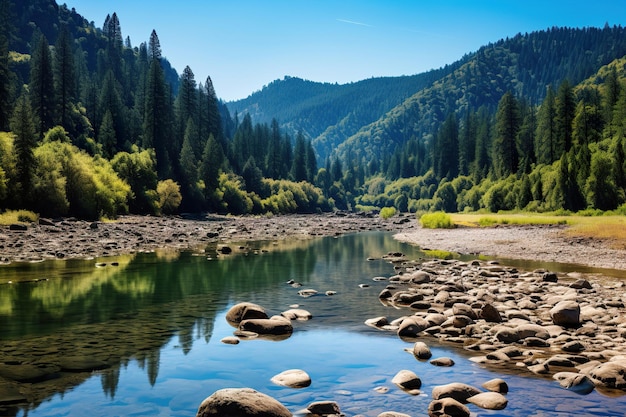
(149, 326)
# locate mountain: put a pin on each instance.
(370, 119)
(330, 113)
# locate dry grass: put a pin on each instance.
(611, 229)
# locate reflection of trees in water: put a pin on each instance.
(110, 379)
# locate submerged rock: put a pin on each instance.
(408, 381)
(243, 311)
(292, 378)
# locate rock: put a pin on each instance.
(566, 313)
(611, 374)
(549, 277)
(408, 381)
(489, 401)
(297, 314)
(460, 309)
(444, 361)
(324, 408)
(230, 340)
(244, 311)
(447, 407)
(457, 390)
(309, 292)
(496, 385)
(580, 284)
(490, 314)
(573, 381)
(292, 378)
(377, 322)
(392, 414)
(385, 294)
(573, 347)
(226, 250)
(507, 335)
(421, 351)
(412, 326)
(241, 402)
(18, 227)
(272, 326)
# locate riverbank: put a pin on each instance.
(546, 243)
(70, 238)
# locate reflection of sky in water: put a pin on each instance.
(345, 358)
(344, 366)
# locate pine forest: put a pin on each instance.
(94, 126)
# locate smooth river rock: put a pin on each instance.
(566, 313)
(489, 400)
(241, 402)
(243, 311)
(447, 407)
(292, 378)
(408, 381)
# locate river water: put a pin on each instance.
(140, 335)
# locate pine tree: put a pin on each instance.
(5, 72)
(110, 100)
(64, 77)
(186, 107)
(156, 119)
(25, 141)
(213, 113)
(545, 139)
(505, 154)
(42, 85)
(526, 138)
(446, 151)
(273, 158)
(564, 116)
(311, 162)
(209, 169)
(106, 135)
(298, 168)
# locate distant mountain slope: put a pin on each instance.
(331, 112)
(524, 65)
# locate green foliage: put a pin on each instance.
(387, 212)
(437, 220)
(169, 197)
(18, 216)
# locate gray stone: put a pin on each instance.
(292, 378)
(573, 381)
(611, 374)
(412, 326)
(421, 351)
(241, 402)
(457, 390)
(408, 381)
(566, 313)
(243, 311)
(490, 314)
(324, 408)
(444, 361)
(272, 326)
(489, 400)
(447, 407)
(496, 385)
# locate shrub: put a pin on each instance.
(437, 220)
(387, 212)
(18, 216)
(169, 196)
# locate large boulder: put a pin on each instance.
(241, 402)
(489, 400)
(412, 326)
(611, 374)
(242, 311)
(408, 381)
(566, 313)
(275, 326)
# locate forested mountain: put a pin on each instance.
(92, 125)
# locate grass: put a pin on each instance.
(17, 216)
(439, 254)
(437, 220)
(611, 228)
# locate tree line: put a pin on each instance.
(100, 131)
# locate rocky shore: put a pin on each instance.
(72, 238)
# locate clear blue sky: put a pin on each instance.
(245, 44)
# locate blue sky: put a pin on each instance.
(246, 44)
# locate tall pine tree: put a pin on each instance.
(42, 85)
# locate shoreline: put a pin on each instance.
(71, 238)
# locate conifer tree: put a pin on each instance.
(186, 106)
(298, 168)
(311, 162)
(42, 85)
(213, 113)
(273, 158)
(505, 153)
(545, 139)
(209, 169)
(5, 71)
(446, 151)
(25, 141)
(64, 77)
(564, 116)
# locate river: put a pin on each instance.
(140, 335)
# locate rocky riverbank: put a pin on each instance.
(71, 238)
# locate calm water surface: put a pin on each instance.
(154, 322)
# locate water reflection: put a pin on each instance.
(151, 326)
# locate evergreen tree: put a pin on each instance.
(526, 138)
(253, 177)
(42, 85)
(482, 161)
(446, 151)
(214, 119)
(505, 153)
(25, 141)
(155, 127)
(5, 72)
(186, 106)
(209, 169)
(545, 145)
(189, 166)
(64, 77)
(106, 135)
(467, 144)
(612, 93)
(564, 116)
(299, 168)
(273, 158)
(601, 191)
(110, 100)
(311, 162)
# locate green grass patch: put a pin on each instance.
(387, 212)
(437, 220)
(439, 254)
(18, 216)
